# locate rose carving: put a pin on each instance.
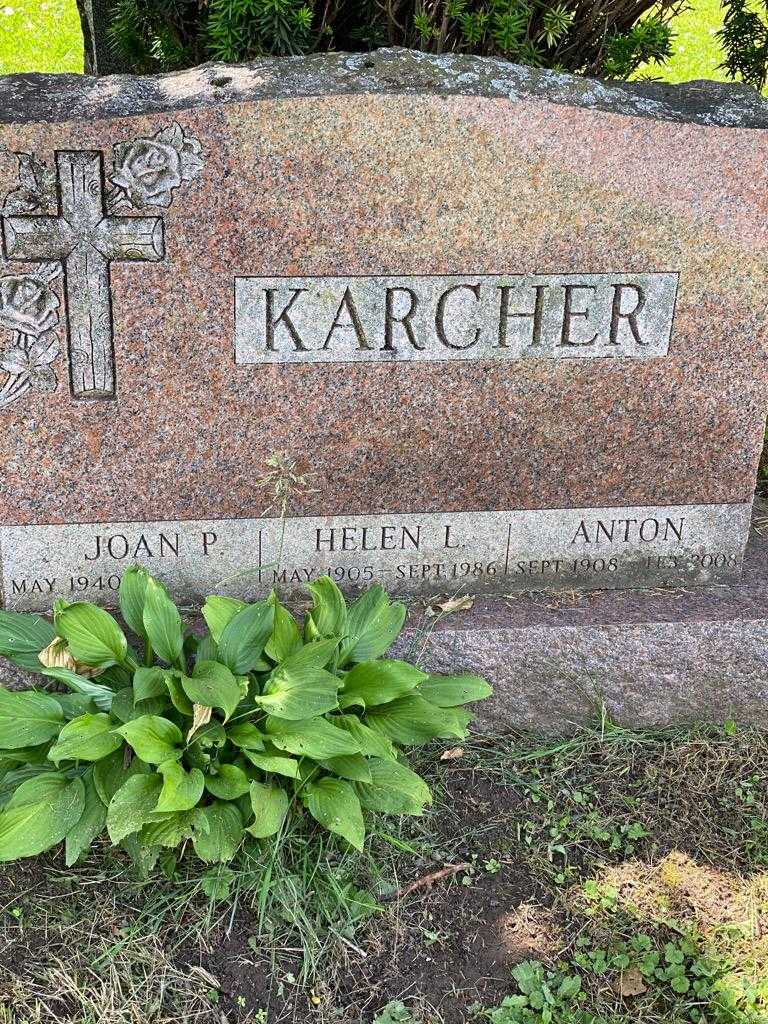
(28, 305)
(149, 170)
(34, 362)
(29, 309)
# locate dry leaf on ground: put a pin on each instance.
(451, 604)
(630, 983)
(453, 754)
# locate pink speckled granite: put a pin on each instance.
(397, 183)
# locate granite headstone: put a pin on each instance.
(508, 326)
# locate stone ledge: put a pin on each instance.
(53, 98)
(658, 657)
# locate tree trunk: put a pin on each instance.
(99, 57)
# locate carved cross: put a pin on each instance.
(86, 239)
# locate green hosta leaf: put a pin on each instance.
(143, 858)
(243, 638)
(245, 734)
(123, 706)
(329, 611)
(311, 656)
(394, 789)
(451, 691)
(88, 738)
(149, 683)
(312, 737)
(212, 734)
(181, 789)
(296, 697)
(110, 774)
(28, 718)
(218, 832)
(335, 805)
(228, 783)
(179, 699)
(460, 720)
(133, 592)
(311, 632)
(73, 705)
(269, 762)
(351, 766)
(152, 706)
(218, 612)
(371, 743)
(169, 829)
(133, 805)
(214, 686)
(90, 825)
(116, 677)
(412, 720)
(207, 649)
(153, 738)
(24, 755)
(373, 624)
(101, 695)
(270, 806)
(22, 637)
(92, 635)
(39, 815)
(300, 687)
(162, 624)
(285, 639)
(371, 683)
(11, 777)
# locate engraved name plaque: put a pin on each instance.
(421, 553)
(514, 316)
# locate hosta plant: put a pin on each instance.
(210, 742)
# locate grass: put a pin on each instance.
(626, 871)
(696, 50)
(40, 35)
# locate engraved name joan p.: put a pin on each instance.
(553, 316)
